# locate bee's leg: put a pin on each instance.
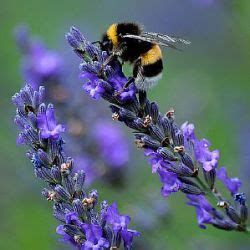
(125, 86)
(113, 55)
(142, 97)
(142, 100)
(142, 94)
(110, 58)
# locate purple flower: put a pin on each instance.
(203, 209)
(232, 184)
(116, 220)
(154, 159)
(94, 239)
(112, 144)
(45, 63)
(170, 182)
(208, 159)
(117, 81)
(92, 85)
(46, 122)
(127, 236)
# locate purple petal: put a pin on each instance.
(232, 184)
(209, 159)
(170, 182)
(188, 131)
(51, 120)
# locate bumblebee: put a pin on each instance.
(130, 43)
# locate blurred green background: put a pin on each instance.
(207, 84)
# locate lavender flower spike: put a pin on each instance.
(82, 224)
(182, 161)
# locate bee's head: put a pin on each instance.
(106, 44)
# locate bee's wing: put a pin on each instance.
(166, 38)
(160, 39)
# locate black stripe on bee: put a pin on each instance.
(152, 69)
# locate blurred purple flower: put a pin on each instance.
(112, 143)
(38, 63)
(46, 122)
(44, 62)
(154, 207)
(232, 184)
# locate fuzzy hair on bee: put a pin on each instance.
(130, 43)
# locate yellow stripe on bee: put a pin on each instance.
(112, 34)
(152, 56)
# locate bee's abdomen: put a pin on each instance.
(151, 62)
(150, 70)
